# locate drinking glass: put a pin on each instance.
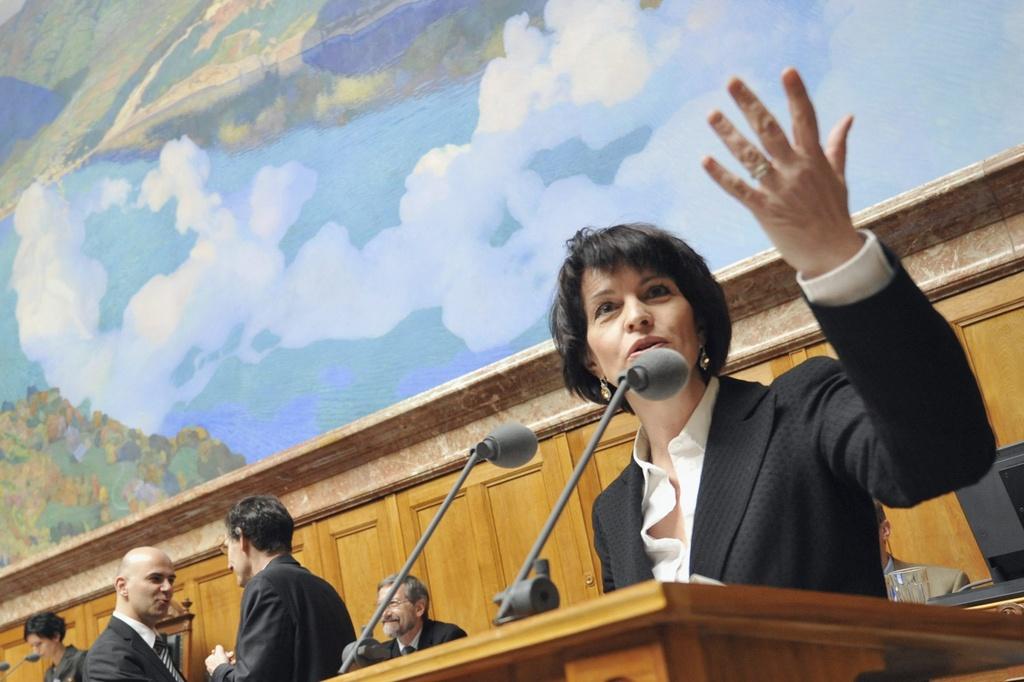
(908, 585)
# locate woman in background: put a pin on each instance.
(769, 485)
(44, 632)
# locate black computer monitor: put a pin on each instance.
(994, 507)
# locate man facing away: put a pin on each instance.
(406, 620)
(130, 649)
(44, 632)
(293, 624)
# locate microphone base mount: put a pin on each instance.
(529, 596)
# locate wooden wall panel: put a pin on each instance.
(760, 373)
(97, 613)
(519, 505)
(358, 548)
(74, 619)
(581, 575)
(306, 548)
(13, 649)
(459, 565)
(996, 348)
(217, 599)
(936, 532)
(990, 323)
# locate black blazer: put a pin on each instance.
(434, 632)
(119, 654)
(70, 668)
(790, 469)
(293, 627)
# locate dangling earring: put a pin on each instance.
(703, 361)
(606, 390)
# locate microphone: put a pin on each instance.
(31, 657)
(367, 652)
(508, 446)
(657, 374)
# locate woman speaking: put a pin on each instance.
(769, 485)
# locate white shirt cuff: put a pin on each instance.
(864, 275)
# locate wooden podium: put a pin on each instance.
(670, 631)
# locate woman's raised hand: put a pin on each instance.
(800, 199)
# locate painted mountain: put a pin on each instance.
(66, 469)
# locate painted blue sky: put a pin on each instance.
(275, 293)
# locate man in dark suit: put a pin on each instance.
(130, 649)
(294, 625)
(406, 619)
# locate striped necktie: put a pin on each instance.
(164, 654)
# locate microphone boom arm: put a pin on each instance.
(30, 657)
(563, 499)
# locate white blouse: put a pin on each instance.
(671, 556)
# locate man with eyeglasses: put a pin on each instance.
(293, 625)
(406, 620)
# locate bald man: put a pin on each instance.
(130, 649)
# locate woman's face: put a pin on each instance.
(629, 312)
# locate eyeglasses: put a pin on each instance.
(395, 603)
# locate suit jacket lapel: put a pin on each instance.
(427, 633)
(143, 649)
(630, 512)
(740, 428)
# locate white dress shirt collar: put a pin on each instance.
(415, 643)
(147, 634)
(696, 429)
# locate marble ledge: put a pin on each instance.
(769, 333)
(1015, 228)
(957, 264)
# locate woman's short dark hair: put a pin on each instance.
(47, 625)
(643, 247)
(264, 521)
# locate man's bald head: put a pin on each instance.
(141, 557)
(144, 585)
